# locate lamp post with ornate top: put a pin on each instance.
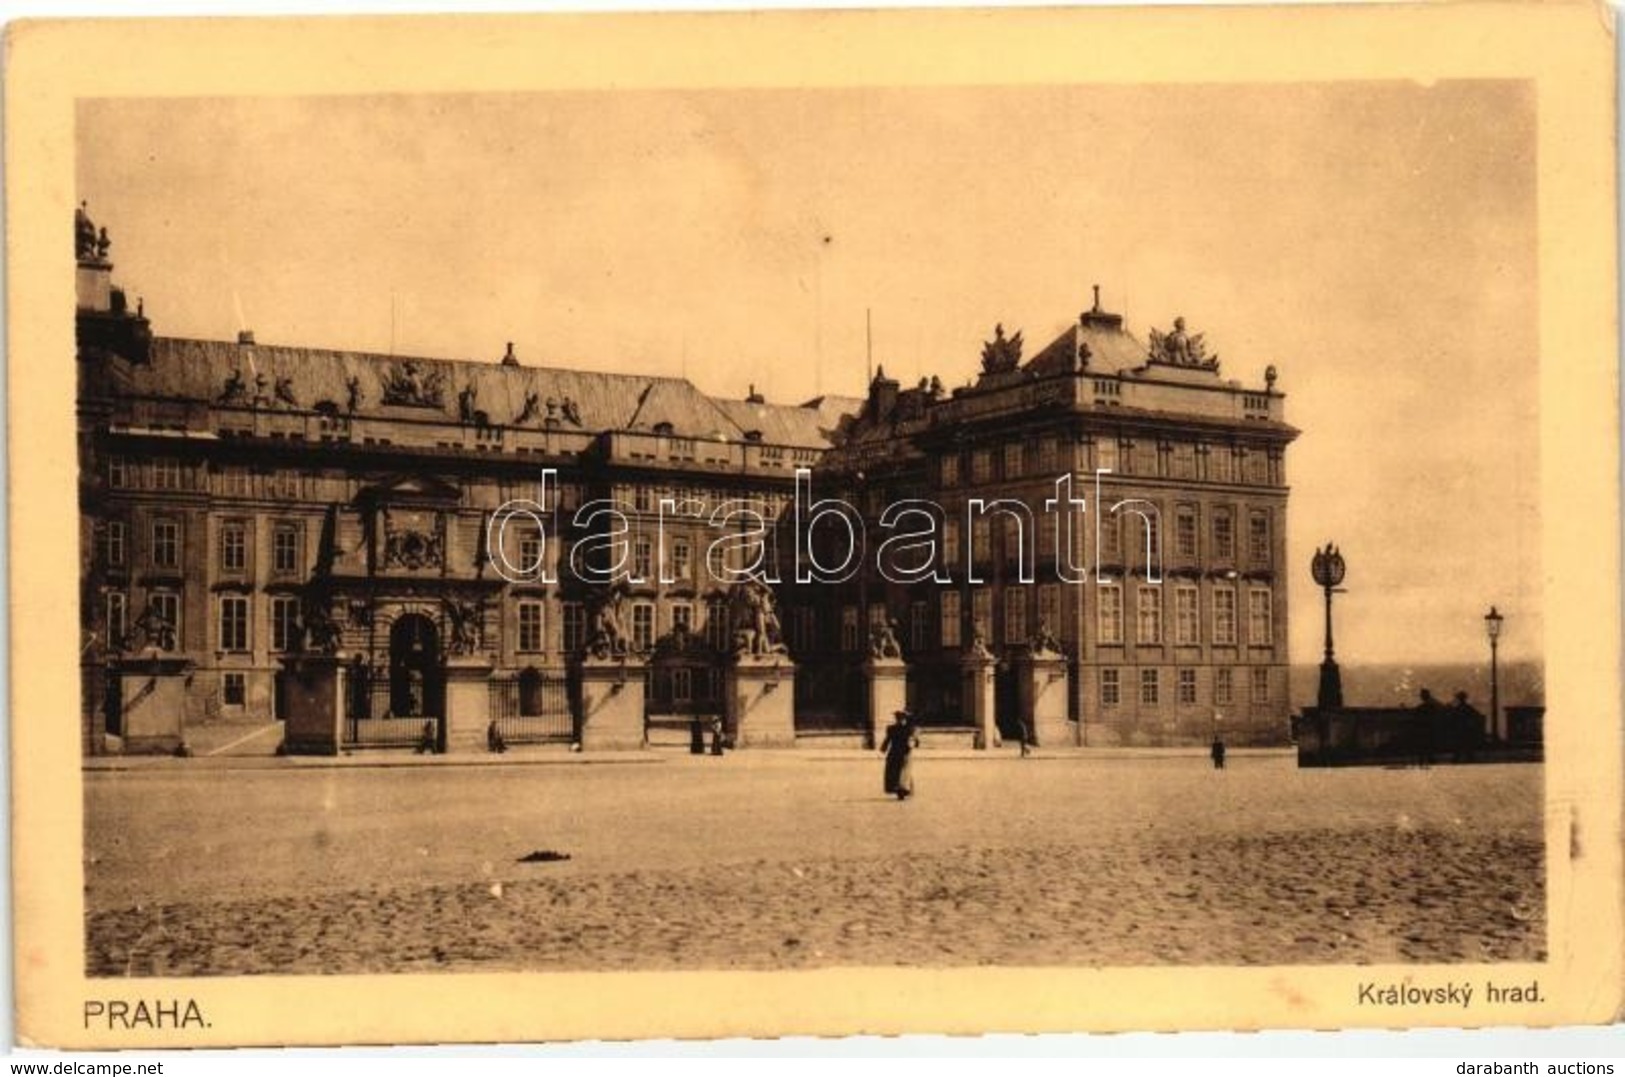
(1492, 625)
(1327, 568)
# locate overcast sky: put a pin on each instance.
(1374, 241)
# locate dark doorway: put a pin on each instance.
(416, 680)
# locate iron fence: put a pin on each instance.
(378, 718)
(533, 707)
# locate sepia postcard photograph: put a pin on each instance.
(821, 523)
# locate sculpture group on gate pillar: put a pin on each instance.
(612, 680)
(756, 629)
(759, 697)
(887, 676)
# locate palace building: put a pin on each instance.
(243, 503)
(1122, 501)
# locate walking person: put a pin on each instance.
(899, 744)
(1218, 754)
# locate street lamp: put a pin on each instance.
(1492, 625)
(1327, 568)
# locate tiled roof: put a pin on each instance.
(199, 370)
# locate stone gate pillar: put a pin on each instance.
(761, 700)
(151, 691)
(312, 691)
(611, 703)
(468, 702)
(888, 694)
(1041, 687)
(977, 668)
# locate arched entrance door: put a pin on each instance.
(416, 678)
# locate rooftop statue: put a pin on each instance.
(408, 385)
(1000, 354)
(1179, 348)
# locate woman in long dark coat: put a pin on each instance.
(899, 744)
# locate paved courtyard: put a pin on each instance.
(789, 859)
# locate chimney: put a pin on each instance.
(245, 336)
(755, 397)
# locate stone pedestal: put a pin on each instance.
(152, 702)
(761, 701)
(888, 694)
(1041, 688)
(311, 691)
(611, 704)
(468, 703)
(978, 707)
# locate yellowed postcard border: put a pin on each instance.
(1567, 50)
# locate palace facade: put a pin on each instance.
(243, 502)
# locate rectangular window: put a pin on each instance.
(642, 498)
(716, 624)
(1111, 537)
(284, 622)
(950, 619)
(642, 558)
(1106, 454)
(1260, 624)
(166, 544)
(981, 539)
(118, 619)
(1015, 460)
(1224, 686)
(1015, 615)
(1221, 464)
(530, 627)
(1110, 688)
(1261, 684)
(1185, 532)
(1184, 460)
(1150, 687)
(950, 542)
(1224, 615)
(682, 616)
(165, 606)
(919, 626)
(118, 473)
(113, 544)
(233, 547)
(1224, 535)
(1046, 456)
(1110, 597)
(574, 616)
(1187, 687)
(1148, 610)
(234, 481)
(166, 474)
(233, 623)
(233, 689)
(284, 549)
(530, 554)
(643, 626)
(1187, 615)
(1258, 538)
(285, 483)
(682, 559)
(981, 613)
(849, 628)
(1049, 608)
(950, 470)
(981, 465)
(682, 685)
